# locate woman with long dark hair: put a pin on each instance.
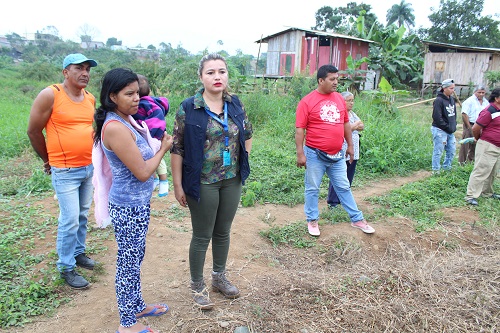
(133, 162)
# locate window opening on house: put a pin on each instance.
(324, 41)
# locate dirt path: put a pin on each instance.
(165, 272)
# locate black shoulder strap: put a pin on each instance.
(57, 88)
(491, 109)
(236, 100)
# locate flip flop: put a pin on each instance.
(147, 330)
(155, 312)
(466, 140)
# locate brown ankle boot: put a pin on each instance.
(200, 295)
(221, 284)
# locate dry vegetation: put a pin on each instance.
(397, 280)
(407, 289)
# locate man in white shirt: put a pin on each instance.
(470, 110)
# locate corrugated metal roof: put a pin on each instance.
(461, 47)
(316, 32)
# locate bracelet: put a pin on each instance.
(46, 168)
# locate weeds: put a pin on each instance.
(267, 218)
(177, 213)
(294, 234)
(24, 291)
(252, 190)
(423, 201)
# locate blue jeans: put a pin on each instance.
(442, 142)
(74, 191)
(337, 173)
(333, 199)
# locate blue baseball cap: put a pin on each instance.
(77, 58)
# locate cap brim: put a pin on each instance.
(92, 62)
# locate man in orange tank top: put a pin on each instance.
(66, 112)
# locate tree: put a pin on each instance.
(241, 62)
(402, 14)
(396, 58)
(457, 21)
(343, 19)
(353, 74)
(86, 39)
(51, 30)
(324, 21)
(165, 47)
(87, 34)
(113, 41)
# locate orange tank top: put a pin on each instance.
(69, 130)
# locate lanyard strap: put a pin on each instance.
(223, 123)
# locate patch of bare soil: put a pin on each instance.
(395, 280)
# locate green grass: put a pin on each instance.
(23, 176)
(423, 201)
(294, 234)
(24, 291)
(394, 143)
(16, 97)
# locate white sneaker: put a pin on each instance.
(157, 182)
(363, 226)
(313, 228)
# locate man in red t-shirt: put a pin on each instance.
(323, 121)
(486, 131)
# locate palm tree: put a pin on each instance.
(402, 13)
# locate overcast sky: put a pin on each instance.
(193, 24)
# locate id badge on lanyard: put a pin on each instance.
(226, 155)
